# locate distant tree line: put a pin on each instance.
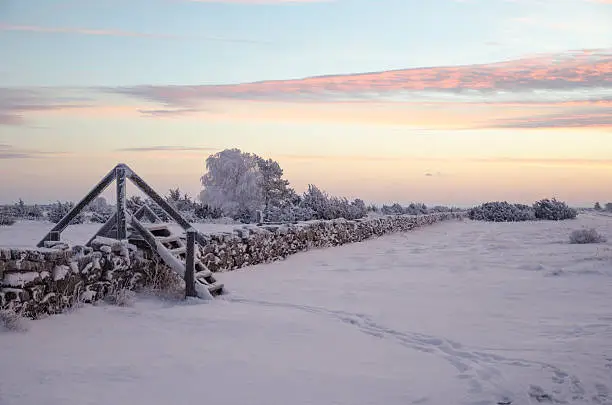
(607, 207)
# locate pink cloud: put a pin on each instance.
(576, 70)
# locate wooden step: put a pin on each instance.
(215, 289)
(178, 251)
(169, 239)
(156, 227)
(203, 274)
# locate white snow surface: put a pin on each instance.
(455, 313)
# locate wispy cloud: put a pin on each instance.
(166, 148)
(118, 33)
(577, 70)
(595, 118)
(169, 113)
(10, 152)
(16, 102)
(432, 159)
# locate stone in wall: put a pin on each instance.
(41, 281)
(267, 243)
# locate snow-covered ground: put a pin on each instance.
(456, 313)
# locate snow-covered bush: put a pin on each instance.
(59, 211)
(502, 211)
(99, 210)
(121, 297)
(412, 209)
(583, 236)
(552, 209)
(10, 321)
(395, 209)
(21, 210)
(6, 220)
(162, 282)
(324, 206)
(416, 209)
(373, 208)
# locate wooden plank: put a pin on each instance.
(145, 210)
(169, 239)
(190, 289)
(144, 232)
(120, 173)
(65, 221)
(156, 227)
(178, 251)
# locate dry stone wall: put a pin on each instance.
(254, 245)
(41, 281)
(35, 282)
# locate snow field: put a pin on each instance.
(454, 313)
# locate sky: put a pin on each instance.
(453, 102)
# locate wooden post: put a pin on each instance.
(190, 290)
(120, 177)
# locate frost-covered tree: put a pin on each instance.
(609, 207)
(233, 184)
(278, 197)
(597, 206)
(324, 206)
(182, 202)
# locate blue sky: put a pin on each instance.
(86, 83)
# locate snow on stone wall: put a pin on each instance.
(36, 282)
(254, 245)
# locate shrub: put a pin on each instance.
(11, 321)
(583, 236)
(502, 211)
(6, 220)
(162, 282)
(394, 209)
(324, 206)
(373, 208)
(554, 210)
(59, 211)
(121, 297)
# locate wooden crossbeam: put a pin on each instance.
(145, 210)
(65, 221)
